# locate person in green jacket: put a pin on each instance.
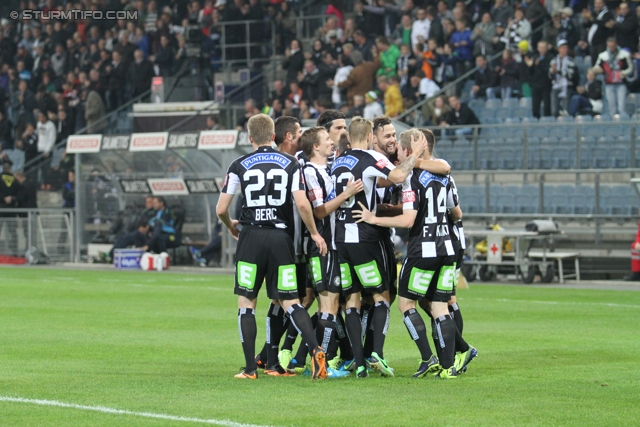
(389, 54)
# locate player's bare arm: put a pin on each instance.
(306, 213)
(401, 173)
(405, 220)
(352, 188)
(222, 210)
(435, 166)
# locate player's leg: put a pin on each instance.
(367, 306)
(286, 353)
(412, 288)
(250, 272)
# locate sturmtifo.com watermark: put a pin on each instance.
(75, 14)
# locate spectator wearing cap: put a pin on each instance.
(334, 47)
(616, 65)
(482, 36)
(626, 28)
(501, 11)
(393, 104)
(588, 100)
(420, 27)
(565, 77)
(486, 80)
(599, 26)
(372, 107)
(500, 41)
(361, 78)
(389, 54)
(567, 30)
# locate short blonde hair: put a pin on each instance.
(261, 129)
(405, 138)
(359, 129)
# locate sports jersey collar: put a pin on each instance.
(264, 148)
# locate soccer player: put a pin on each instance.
(361, 254)
(336, 125)
(429, 269)
(270, 182)
(287, 138)
(325, 270)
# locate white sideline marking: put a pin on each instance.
(205, 288)
(105, 410)
(606, 304)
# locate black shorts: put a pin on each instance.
(430, 278)
(324, 272)
(392, 269)
(256, 260)
(302, 276)
(459, 258)
(363, 268)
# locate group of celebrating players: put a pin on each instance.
(317, 222)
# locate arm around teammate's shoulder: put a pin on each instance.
(306, 214)
(401, 173)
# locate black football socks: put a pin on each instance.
(418, 332)
(248, 331)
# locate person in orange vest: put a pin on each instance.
(635, 259)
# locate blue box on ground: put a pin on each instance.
(127, 259)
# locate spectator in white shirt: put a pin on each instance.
(46, 134)
(428, 88)
(420, 28)
(372, 108)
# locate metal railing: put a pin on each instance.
(50, 231)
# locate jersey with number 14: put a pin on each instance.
(267, 179)
(368, 166)
(432, 196)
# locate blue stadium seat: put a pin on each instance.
(602, 118)
(472, 198)
(619, 155)
(530, 119)
(522, 112)
(17, 157)
(582, 199)
(512, 120)
(585, 152)
(539, 131)
(583, 119)
(547, 119)
(510, 103)
(565, 119)
(461, 155)
(545, 149)
(556, 199)
(503, 113)
(487, 120)
(528, 199)
(592, 131)
(525, 102)
(493, 103)
(476, 105)
(443, 149)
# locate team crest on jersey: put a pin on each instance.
(331, 195)
(408, 196)
(261, 158)
(427, 177)
(347, 161)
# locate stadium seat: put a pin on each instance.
(461, 155)
(510, 103)
(472, 198)
(582, 199)
(522, 112)
(512, 120)
(527, 199)
(493, 103)
(503, 113)
(539, 132)
(545, 152)
(602, 118)
(476, 105)
(583, 119)
(555, 199)
(564, 119)
(619, 155)
(530, 119)
(585, 152)
(443, 149)
(526, 103)
(17, 157)
(547, 119)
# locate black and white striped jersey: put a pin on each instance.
(367, 165)
(267, 179)
(431, 196)
(320, 190)
(458, 231)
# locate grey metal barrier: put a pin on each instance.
(50, 231)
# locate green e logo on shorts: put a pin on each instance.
(315, 269)
(447, 278)
(368, 274)
(287, 278)
(246, 275)
(345, 276)
(420, 280)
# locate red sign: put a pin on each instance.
(494, 248)
(217, 140)
(168, 187)
(84, 143)
(151, 141)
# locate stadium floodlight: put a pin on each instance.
(635, 183)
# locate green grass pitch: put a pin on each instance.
(168, 344)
